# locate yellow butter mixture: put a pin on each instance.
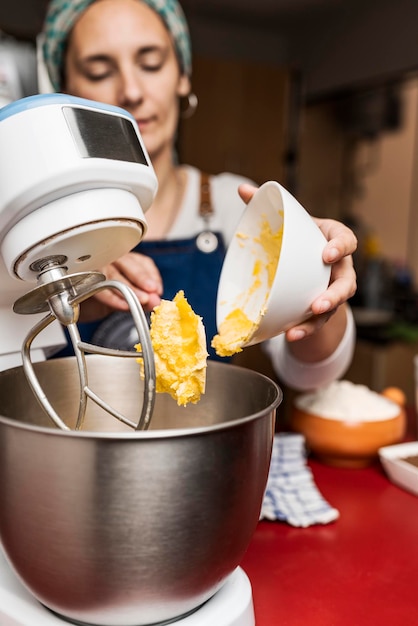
(233, 333)
(271, 243)
(179, 343)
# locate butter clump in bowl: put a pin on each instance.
(233, 333)
(179, 342)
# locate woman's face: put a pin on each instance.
(119, 52)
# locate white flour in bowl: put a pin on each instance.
(344, 400)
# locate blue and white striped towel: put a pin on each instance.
(291, 494)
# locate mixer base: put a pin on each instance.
(232, 605)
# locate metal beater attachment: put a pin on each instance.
(61, 294)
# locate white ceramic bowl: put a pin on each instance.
(398, 469)
(273, 285)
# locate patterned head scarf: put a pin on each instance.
(63, 14)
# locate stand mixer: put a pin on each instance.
(75, 183)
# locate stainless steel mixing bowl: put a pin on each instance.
(130, 528)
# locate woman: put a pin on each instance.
(136, 54)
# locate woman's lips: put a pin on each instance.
(143, 124)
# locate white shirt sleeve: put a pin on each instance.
(303, 376)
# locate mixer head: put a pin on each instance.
(75, 183)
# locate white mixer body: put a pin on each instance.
(75, 180)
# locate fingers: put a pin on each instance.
(343, 282)
(141, 274)
(114, 301)
(309, 327)
(137, 270)
(338, 252)
(341, 241)
(342, 287)
(246, 192)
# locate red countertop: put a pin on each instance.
(360, 570)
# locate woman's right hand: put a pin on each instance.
(139, 272)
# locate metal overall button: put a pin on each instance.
(207, 241)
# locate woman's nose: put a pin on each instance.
(131, 91)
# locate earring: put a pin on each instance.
(192, 103)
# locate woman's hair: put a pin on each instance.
(63, 14)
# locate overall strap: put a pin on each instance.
(206, 241)
(205, 208)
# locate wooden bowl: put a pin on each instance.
(347, 443)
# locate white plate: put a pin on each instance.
(399, 471)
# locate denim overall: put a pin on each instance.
(193, 265)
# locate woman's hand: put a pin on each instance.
(342, 243)
(135, 270)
